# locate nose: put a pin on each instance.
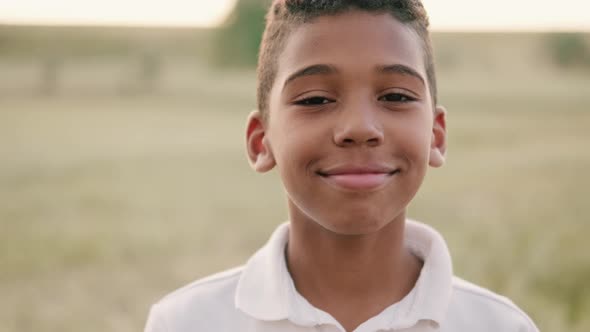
(358, 126)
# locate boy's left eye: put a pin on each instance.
(397, 98)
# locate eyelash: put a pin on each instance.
(405, 98)
(313, 101)
(318, 100)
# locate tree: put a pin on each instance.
(238, 40)
(569, 49)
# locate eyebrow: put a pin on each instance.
(401, 69)
(319, 69)
(323, 69)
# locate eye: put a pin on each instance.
(396, 98)
(313, 101)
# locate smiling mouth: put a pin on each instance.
(358, 179)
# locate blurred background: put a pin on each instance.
(123, 173)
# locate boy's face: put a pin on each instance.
(351, 126)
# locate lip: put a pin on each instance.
(358, 178)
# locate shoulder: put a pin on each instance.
(215, 286)
(203, 303)
(473, 307)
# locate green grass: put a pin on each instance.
(107, 203)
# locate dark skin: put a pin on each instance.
(346, 277)
(352, 141)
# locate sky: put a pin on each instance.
(473, 15)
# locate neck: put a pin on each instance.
(336, 272)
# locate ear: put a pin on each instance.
(438, 145)
(257, 144)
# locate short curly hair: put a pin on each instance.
(285, 15)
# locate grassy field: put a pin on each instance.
(109, 202)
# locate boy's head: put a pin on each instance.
(347, 112)
(284, 16)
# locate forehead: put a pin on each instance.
(352, 40)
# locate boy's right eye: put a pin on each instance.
(313, 101)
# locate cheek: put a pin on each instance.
(421, 143)
(296, 146)
(414, 138)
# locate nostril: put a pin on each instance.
(348, 141)
(373, 141)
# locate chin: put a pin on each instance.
(346, 218)
(354, 225)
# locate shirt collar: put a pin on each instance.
(266, 291)
(434, 285)
(262, 290)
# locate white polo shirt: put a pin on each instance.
(261, 296)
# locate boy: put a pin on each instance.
(347, 113)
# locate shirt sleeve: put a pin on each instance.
(155, 321)
(533, 327)
(529, 325)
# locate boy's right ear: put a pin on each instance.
(257, 144)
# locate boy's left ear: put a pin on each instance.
(257, 145)
(438, 144)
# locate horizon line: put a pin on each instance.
(152, 25)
